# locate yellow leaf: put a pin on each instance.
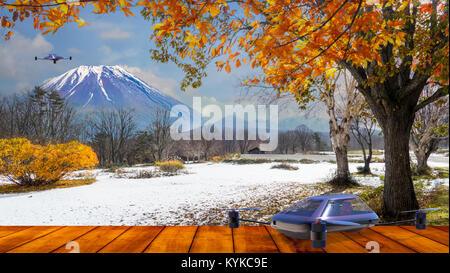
(220, 65)
(214, 11)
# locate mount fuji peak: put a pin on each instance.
(109, 87)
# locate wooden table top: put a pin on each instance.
(213, 239)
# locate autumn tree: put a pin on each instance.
(392, 48)
(429, 129)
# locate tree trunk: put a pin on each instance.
(367, 166)
(367, 160)
(422, 151)
(422, 159)
(342, 177)
(398, 192)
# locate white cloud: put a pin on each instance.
(74, 50)
(110, 31)
(16, 57)
(111, 56)
(167, 85)
(115, 33)
(16, 54)
(106, 49)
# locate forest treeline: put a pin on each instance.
(44, 117)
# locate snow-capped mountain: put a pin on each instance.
(107, 87)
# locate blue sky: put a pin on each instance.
(112, 39)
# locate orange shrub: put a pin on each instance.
(27, 164)
(217, 158)
(170, 166)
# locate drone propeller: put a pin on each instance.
(419, 210)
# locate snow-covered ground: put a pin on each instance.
(174, 200)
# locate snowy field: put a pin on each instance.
(174, 200)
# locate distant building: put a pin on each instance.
(255, 150)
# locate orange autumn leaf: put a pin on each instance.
(227, 67)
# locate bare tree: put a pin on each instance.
(42, 116)
(229, 146)
(111, 131)
(341, 115)
(159, 133)
(243, 144)
(363, 128)
(429, 128)
(284, 142)
(208, 147)
(304, 137)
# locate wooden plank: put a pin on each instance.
(7, 230)
(134, 240)
(431, 233)
(173, 240)
(444, 228)
(253, 239)
(385, 244)
(339, 243)
(96, 239)
(212, 239)
(52, 241)
(289, 245)
(412, 240)
(21, 237)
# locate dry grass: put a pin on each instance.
(307, 161)
(14, 188)
(285, 167)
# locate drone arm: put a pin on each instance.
(253, 221)
(396, 222)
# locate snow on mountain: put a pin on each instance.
(109, 87)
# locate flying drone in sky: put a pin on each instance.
(53, 58)
(313, 217)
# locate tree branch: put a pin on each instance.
(438, 94)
